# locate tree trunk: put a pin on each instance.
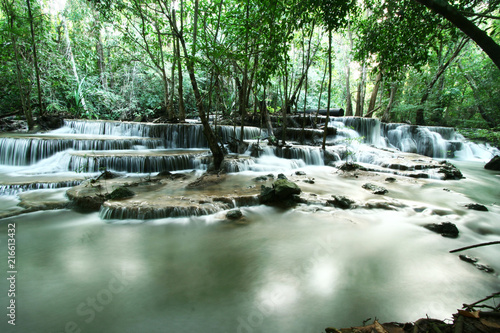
(360, 99)
(387, 113)
(479, 36)
(215, 148)
(373, 99)
(420, 120)
(24, 98)
(482, 111)
(73, 63)
(180, 82)
(35, 58)
(348, 104)
(325, 130)
(177, 50)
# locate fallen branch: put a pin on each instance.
(473, 246)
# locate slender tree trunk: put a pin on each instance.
(24, 97)
(348, 104)
(387, 113)
(73, 62)
(35, 58)
(177, 50)
(180, 82)
(325, 131)
(479, 36)
(420, 120)
(215, 148)
(373, 99)
(482, 111)
(360, 100)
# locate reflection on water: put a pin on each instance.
(295, 271)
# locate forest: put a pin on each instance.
(399, 61)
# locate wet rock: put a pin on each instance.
(446, 229)
(309, 181)
(260, 179)
(493, 164)
(298, 199)
(349, 166)
(390, 179)
(282, 193)
(300, 173)
(266, 194)
(375, 189)
(468, 259)
(285, 189)
(281, 176)
(485, 268)
(330, 157)
(234, 214)
(475, 206)
(450, 171)
(340, 201)
(120, 193)
(385, 205)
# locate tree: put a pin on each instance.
(452, 14)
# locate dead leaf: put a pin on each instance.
(469, 314)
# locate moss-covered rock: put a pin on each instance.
(120, 193)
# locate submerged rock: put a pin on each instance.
(446, 229)
(475, 206)
(340, 201)
(375, 189)
(493, 164)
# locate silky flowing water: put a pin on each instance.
(297, 270)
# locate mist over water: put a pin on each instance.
(299, 270)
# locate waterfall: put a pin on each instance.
(432, 141)
(132, 164)
(26, 150)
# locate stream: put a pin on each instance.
(296, 270)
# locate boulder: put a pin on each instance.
(493, 164)
(234, 214)
(283, 192)
(340, 201)
(375, 189)
(285, 189)
(450, 171)
(120, 193)
(446, 229)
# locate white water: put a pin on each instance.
(299, 270)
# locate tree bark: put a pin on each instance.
(479, 36)
(25, 104)
(387, 113)
(373, 99)
(215, 148)
(35, 58)
(348, 104)
(325, 130)
(360, 99)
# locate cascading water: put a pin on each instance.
(298, 270)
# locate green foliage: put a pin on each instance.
(481, 135)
